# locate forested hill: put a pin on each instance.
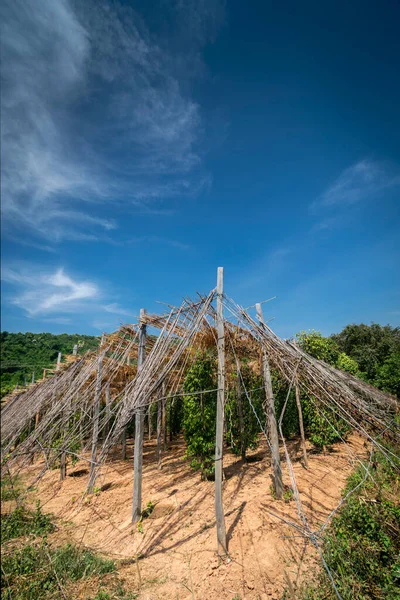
(371, 352)
(25, 353)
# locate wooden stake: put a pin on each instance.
(96, 414)
(303, 439)
(270, 410)
(75, 350)
(219, 434)
(139, 432)
(58, 361)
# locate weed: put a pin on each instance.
(23, 521)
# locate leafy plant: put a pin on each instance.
(362, 544)
(22, 522)
(199, 415)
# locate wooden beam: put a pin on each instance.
(95, 435)
(139, 431)
(219, 434)
(270, 410)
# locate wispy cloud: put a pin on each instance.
(116, 309)
(96, 112)
(357, 183)
(43, 294)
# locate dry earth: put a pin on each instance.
(177, 547)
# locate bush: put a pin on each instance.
(362, 544)
(200, 415)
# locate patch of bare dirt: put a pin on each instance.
(177, 545)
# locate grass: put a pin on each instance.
(32, 568)
(25, 522)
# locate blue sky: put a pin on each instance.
(146, 144)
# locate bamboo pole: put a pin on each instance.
(219, 434)
(301, 424)
(270, 410)
(96, 413)
(139, 431)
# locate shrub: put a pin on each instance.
(200, 414)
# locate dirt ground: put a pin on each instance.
(177, 546)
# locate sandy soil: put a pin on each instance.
(177, 547)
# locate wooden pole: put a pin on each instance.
(75, 350)
(270, 410)
(139, 431)
(96, 414)
(33, 377)
(301, 424)
(58, 361)
(219, 434)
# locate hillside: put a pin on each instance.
(24, 354)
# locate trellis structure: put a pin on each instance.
(99, 394)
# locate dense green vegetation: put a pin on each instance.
(23, 354)
(371, 352)
(362, 544)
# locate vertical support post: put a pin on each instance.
(96, 415)
(33, 377)
(139, 431)
(270, 410)
(219, 434)
(75, 350)
(301, 424)
(58, 361)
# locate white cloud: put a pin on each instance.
(357, 183)
(43, 294)
(116, 309)
(96, 111)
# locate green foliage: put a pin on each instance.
(362, 544)
(10, 487)
(23, 522)
(348, 364)
(370, 345)
(25, 353)
(322, 425)
(200, 414)
(242, 428)
(388, 375)
(320, 347)
(32, 571)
